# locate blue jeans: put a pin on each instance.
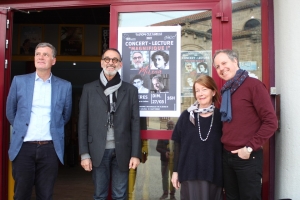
(242, 178)
(107, 172)
(35, 165)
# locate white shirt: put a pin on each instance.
(142, 89)
(39, 125)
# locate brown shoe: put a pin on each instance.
(172, 197)
(164, 196)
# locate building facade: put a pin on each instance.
(262, 31)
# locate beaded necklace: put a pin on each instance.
(211, 123)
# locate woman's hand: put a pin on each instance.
(175, 181)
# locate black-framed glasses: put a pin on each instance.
(139, 57)
(114, 60)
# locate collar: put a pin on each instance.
(37, 78)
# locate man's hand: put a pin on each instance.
(175, 181)
(167, 154)
(87, 164)
(134, 162)
(242, 153)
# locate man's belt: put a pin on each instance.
(41, 142)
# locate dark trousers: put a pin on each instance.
(166, 182)
(242, 178)
(35, 165)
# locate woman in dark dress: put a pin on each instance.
(198, 148)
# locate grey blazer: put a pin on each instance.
(92, 125)
(18, 111)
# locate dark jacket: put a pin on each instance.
(92, 125)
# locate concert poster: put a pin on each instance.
(151, 62)
(193, 64)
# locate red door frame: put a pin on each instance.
(5, 37)
(267, 55)
(3, 170)
(268, 63)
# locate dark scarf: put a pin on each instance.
(110, 90)
(227, 90)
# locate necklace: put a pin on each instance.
(211, 123)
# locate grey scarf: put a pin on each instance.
(110, 90)
(195, 109)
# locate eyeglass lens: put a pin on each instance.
(139, 57)
(114, 60)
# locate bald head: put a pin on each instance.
(170, 125)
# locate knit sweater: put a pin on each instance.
(195, 159)
(253, 117)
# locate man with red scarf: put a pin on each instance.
(249, 120)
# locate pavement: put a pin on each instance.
(73, 183)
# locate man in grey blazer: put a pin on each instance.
(109, 128)
(38, 106)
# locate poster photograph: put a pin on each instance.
(193, 64)
(71, 39)
(151, 62)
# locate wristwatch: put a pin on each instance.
(249, 149)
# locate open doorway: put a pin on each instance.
(78, 61)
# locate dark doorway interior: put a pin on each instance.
(95, 15)
(72, 182)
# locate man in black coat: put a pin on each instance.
(109, 128)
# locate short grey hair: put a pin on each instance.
(137, 52)
(45, 44)
(232, 55)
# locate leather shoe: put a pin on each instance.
(164, 196)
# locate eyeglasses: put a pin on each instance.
(139, 57)
(114, 60)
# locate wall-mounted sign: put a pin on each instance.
(248, 65)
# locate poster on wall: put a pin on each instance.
(193, 64)
(30, 35)
(104, 38)
(151, 62)
(71, 39)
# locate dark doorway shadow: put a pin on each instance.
(73, 183)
